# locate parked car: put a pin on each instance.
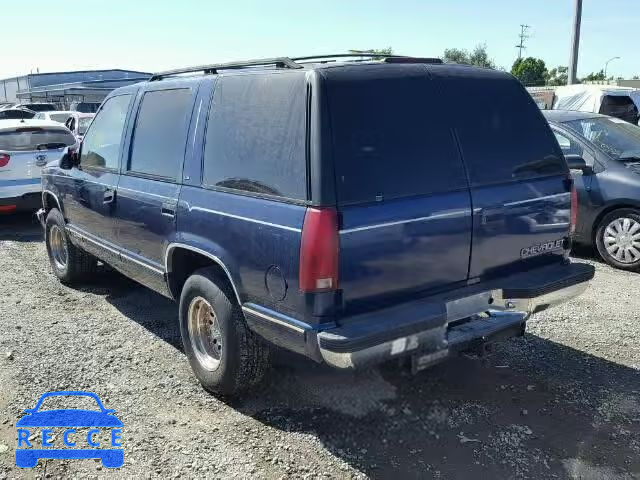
(604, 154)
(340, 210)
(37, 106)
(78, 123)
(60, 116)
(25, 147)
(620, 102)
(16, 113)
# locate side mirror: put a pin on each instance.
(69, 160)
(576, 162)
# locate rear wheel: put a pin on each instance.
(224, 354)
(618, 239)
(69, 263)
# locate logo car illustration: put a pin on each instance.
(69, 419)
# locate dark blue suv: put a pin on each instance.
(349, 211)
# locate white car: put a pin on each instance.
(78, 123)
(25, 147)
(56, 115)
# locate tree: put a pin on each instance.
(595, 77)
(455, 55)
(558, 76)
(478, 57)
(636, 77)
(530, 71)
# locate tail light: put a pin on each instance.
(4, 159)
(574, 208)
(319, 250)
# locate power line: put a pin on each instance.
(523, 36)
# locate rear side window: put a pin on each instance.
(503, 136)
(255, 139)
(389, 138)
(36, 138)
(160, 133)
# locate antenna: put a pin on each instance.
(523, 36)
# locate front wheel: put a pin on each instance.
(69, 263)
(225, 355)
(618, 239)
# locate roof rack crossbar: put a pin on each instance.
(279, 62)
(348, 55)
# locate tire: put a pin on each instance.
(611, 234)
(74, 264)
(225, 355)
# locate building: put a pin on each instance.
(65, 88)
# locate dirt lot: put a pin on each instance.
(562, 402)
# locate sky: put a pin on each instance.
(148, 35)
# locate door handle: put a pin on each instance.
(169, 209)
(109, 197)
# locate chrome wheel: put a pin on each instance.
(204, 333)
(58, 247)
(621, 239)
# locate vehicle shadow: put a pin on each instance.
(533, 409)
(20, 227)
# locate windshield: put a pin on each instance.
(83, 124)
(613, 136)
(36, 138)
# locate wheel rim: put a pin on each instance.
(622, 240)
(204, 333)
(58, 247)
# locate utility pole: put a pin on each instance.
(523, 36)
(575, 44)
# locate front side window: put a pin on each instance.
(160, 134)
(618, 139)
(255, 138)
(101, 145)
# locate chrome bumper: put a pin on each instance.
(491, 317)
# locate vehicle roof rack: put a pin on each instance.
(279, 62)
(413, 60)
(345, 55)
(387, 58)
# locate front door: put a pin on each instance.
(92, 194)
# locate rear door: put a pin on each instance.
(518, 177)
(150, 181)
(401, 188)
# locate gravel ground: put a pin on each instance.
(562, 402)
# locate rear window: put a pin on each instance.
(36, 138)
(389, 137)
(503, 136)
(40, 107)
(255, 139)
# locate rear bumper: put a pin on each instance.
(26, 202)
(435, 328)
